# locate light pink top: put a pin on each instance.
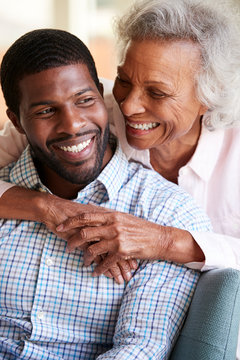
(211, 177)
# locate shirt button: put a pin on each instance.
(40, 315)
(49, 261)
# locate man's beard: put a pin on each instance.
(78, 177)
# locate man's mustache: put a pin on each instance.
(68, 137)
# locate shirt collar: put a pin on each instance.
(207, 153)
(115, 172)
(25, 174)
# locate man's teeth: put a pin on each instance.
(76, 148)
(143, 126)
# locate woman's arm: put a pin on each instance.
(126, 236)
(24, 204)
(11, 145)
(221, 251)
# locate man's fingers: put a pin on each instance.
(119, 268)
(100, 248)
(125, 269)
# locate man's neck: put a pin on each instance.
(62, 187)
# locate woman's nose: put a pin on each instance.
(132, 103)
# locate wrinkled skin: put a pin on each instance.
(123, 236)
(60, 210)
(155, 87)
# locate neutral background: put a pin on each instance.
(91, 20)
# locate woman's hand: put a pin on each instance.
(54, 210)
(118, 234)
(123, 236)
(24, 204)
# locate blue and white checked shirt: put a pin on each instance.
(50, 305)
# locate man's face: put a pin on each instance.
(65, 120)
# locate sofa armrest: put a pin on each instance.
(211, 328)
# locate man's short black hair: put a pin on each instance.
(40, 50)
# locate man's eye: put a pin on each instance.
(45, 111)
(87, 101)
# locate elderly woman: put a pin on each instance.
(177, 91)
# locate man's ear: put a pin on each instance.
(101, 89)
(15, 120)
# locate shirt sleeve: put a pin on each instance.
(221, 251)
(4, 186)
(11, 145)
(152, 311)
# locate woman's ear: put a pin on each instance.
(15, 120)
(203, 110)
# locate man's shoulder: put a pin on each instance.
(22, 172)
(154, 187)
(150, 176)
(6, 170)
(165, 202)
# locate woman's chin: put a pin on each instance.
(138, 144)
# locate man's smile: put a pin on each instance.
(76, 148)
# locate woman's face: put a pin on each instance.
(155, 90)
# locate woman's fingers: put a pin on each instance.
(92, 234)
(92, 218)
(99, 248)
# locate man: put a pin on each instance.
(50, 305)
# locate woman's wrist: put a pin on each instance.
(181, 247)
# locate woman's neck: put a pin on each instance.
(167, 159)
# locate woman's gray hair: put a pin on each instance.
(218, 79)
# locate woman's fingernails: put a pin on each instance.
(59, 227)
(120, 279)
(128, 276)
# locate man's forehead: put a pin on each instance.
(58, 80)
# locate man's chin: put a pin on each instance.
(80, 175)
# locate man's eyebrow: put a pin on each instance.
(50, 102)
(83, 91)
(40, 103)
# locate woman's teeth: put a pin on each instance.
(76, 148)
(143, 126)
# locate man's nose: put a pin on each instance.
(132, 103)
(70, 121)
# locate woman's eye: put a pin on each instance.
(157, 95)
(122, 81)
